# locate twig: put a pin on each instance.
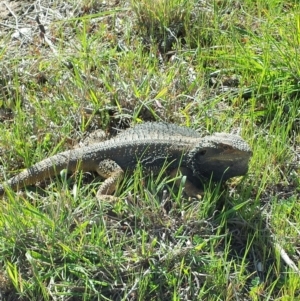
(11, 11)
(16, 28)
(8, 26)
(285, 257)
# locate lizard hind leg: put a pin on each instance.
(113, 174)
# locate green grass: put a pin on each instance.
(234, 68)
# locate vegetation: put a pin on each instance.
(230, 66)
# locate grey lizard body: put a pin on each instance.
(218, 157)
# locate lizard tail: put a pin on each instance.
(40, 171)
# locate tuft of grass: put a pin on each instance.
(170, 22)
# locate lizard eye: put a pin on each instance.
(202, 153)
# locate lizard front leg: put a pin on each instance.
(189, 188)
(113, 174)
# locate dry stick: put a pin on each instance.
(8, 26)
(17, 23)
(11, 11)
(285, 257)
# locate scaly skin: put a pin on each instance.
(218, 157)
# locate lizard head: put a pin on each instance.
(220, 156)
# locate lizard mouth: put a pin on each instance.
(222, 169)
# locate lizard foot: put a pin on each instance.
(189, 188)
(107, 198)
(113, 174)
